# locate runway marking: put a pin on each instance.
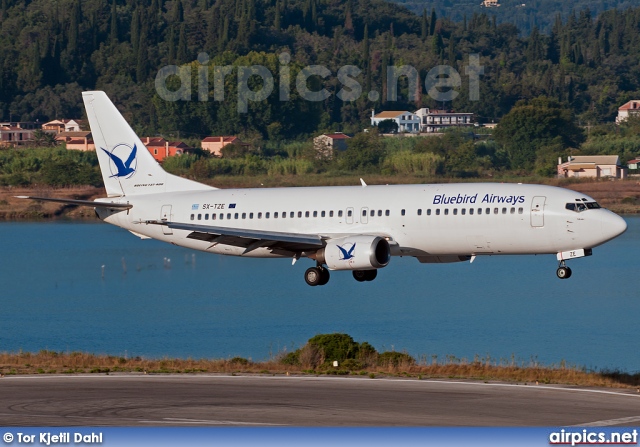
(610, 422)
(200, 421)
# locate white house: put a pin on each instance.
(64, 125)
(628, 109)
(594, 166)
(439, 120)
(407, 121)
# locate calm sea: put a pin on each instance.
(153, 299)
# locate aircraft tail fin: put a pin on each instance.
(126, 164)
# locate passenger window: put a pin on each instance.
(471, 211)
(235, 216)
(495, 211)
(315, 214)
(349, 213)
(387, 213)
(206, 216)
(284, 214)
(504, 211)
(402, 212)
(228, 215)
(299, 213)
(291, 215)
(437, 211)
(419, 212)
(488, 211)
(221, 216)
(446, 211)
(520, 210)
(192, 217)
(306, 214)
(259, 215)
(479, 210)
(275, 215)
(244, 215)
(250, 215)
(199, 216)
(463, 211)
(455, 211)
(213, 216)
(322, 214)
(372, 213)
(340, 213)
(379, 213)
(513, 210)
(331, 213)
(266, 215)
(429, 212)
(364, 213)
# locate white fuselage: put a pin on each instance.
(431, 222)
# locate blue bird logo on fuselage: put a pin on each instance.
(345, 254)
(125, 169)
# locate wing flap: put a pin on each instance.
(247, 238)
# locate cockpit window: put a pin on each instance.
(582, 206)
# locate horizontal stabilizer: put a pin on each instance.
(80, 202)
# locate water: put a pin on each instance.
(198, 305)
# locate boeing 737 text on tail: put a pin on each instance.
(357, 228)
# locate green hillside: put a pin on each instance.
(524, 14)
(51, 51)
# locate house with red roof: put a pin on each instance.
(79, 141)
(215, 144)
(627, 110)
(161, 148)
(326, 144)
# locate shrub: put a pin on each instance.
(392, 358)
(292, 358)
(336, 346)
(239, 361)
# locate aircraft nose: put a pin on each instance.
(612, 225)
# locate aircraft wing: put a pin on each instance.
(249, 239)
(80, 202)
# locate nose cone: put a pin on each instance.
(612, 225)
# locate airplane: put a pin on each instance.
(357, 228)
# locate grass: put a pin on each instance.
(50, 362)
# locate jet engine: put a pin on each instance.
(360, 252)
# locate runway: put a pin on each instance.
(253, 400)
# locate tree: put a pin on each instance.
(388, 126)
(531, 125)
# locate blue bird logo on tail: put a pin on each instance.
(345, 254)
(124, 169)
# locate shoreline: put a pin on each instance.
(619, 196)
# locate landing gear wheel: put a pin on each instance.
(324, 276)
(563, 272)
(313, 276)
(360, 275)
(365, 275)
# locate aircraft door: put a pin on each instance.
(364, 218)
(349, 215)
(165, 216)
(537, 211)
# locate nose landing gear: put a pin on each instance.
(563, 271)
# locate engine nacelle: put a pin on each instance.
(355, 253)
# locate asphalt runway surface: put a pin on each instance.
(220, 400)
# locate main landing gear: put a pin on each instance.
(365, 275)
(317, 276)
(563, 271)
